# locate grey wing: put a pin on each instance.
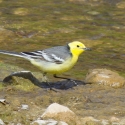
(55, 54)
(61, 52)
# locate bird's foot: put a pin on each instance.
(51, 88)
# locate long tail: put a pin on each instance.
(14, 54)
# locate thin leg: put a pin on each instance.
(61, 77)
(65, 78)
(46, 80)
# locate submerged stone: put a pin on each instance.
(104, 77)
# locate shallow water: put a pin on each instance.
(35, 25)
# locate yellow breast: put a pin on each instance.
(54, 68)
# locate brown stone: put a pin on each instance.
(105, 77)
(59, 112)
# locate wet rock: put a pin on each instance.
(104, 77)
(1, 122)
(59, 112)
(47, 122)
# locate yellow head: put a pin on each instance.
(77, 48)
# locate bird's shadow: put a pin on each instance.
(65, 84)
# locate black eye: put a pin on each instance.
(77, 45)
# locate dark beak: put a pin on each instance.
(87, 49)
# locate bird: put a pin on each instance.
(54, 60)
